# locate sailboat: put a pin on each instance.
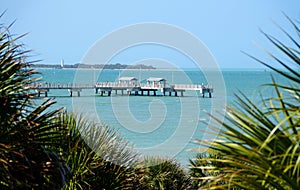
(62, 64)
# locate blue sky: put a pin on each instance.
(67, 29)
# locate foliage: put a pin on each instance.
(98, 156)
(260, 144)
(28, 135)
(199, 167)
(159, 173)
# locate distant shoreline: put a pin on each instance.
(95, 66)
(136, 67)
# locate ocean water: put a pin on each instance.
(158, 125)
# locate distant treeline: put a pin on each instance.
(95, 66)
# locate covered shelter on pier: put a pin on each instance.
(157, 82)
(128, 80)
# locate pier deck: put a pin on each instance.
(125, 88)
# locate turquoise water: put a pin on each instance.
(157, 125)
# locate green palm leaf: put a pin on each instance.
(29, 135)
(98, 156)
(259, 143)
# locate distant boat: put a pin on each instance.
(62, 64)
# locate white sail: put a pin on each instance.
(62, 64)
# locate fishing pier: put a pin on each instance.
(126, 86)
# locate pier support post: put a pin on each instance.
(175, 93)
(148, 92)
(209, 95)
(78, 93)
(154, 92)
(46, 94)
(71, 93)
(39, 93)
(116, 92)
(170, 93)
(182, 93)
(109, 93)
(122, 92)
(101, 93)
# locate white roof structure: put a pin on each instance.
(153, 79)
(128, 79)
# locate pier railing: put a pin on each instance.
(60, 86)
(118, 84)
(127, 86)
(176, 86)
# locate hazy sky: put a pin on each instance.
(67, 29)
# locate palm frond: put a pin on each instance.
(98, 156)
(259, 143)
(28, 137)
